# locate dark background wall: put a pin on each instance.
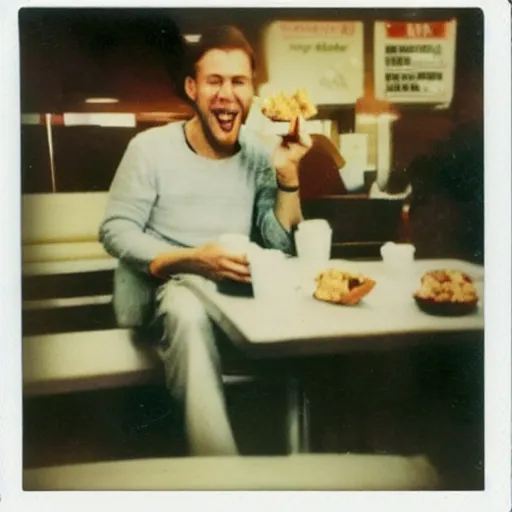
(70, 54)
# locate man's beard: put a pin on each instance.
(214, 143)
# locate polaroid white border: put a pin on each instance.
(496, 496)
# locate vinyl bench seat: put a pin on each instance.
(75, 361)
(293, 472)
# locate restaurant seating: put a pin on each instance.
(62, 226)
(296, 472)
(360, 226)
(319, 170)
(73, 353)
(67, 287)
(71, 345)
(68, 362)
(67, 283)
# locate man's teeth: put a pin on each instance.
(225, 117)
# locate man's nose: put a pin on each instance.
(226, 91)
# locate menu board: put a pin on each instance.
(326, 58)
(415, 61)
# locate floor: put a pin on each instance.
(138, 422)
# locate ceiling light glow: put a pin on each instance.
(101, 100)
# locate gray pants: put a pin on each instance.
(192, 366)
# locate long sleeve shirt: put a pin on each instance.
(164, 196)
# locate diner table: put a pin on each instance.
(295, 325)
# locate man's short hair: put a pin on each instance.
(226, 37)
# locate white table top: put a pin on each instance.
(298, 324)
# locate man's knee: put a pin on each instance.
(181, 306)
(187, 334)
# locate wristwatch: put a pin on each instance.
(287, 189)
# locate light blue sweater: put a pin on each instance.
(164, 195)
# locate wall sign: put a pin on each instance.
(415, 61)
(324, 57)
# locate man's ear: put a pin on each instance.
(191, 88)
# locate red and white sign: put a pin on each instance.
(415, 30)
(415, 61)
(316, 29)
(324, 57)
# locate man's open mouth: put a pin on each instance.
(225, 119)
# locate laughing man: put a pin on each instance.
(177, 189)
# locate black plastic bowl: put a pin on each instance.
(446, 308)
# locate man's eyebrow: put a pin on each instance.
(239, 76)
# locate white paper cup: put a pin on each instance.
(352, 175)
(314, 252)
(314, 246)
(397, 255)
(399, 265)
(269, 273)
(313, 225)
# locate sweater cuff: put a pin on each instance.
(275, 236)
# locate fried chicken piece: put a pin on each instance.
(282, 107)
(342, 287)
(307, 108)
(447, 286)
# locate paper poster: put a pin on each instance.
(326, 58)
(415, 61)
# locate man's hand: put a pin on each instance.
(214, 262)
(286, 160)
(209, 260)
(288, 154)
